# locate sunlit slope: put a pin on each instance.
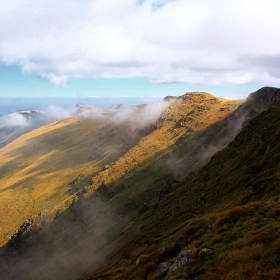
(179, 124)
(160, 201)
(135, 154)
(132, 181)
(45, 166)
(139, 172)
(230, 206)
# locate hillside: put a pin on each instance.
(17, 123)
(45, 166)
(221, 223)
(160, 195)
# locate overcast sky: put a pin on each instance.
(193, 44)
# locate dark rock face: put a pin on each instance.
(258, 102)
(21, 236)
(266, 95)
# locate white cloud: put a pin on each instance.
(193, 41)
(14, 119)
(140, 116)
(56, 112)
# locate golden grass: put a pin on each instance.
(37, 168)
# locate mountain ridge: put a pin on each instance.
(145, 260)
(145, 193)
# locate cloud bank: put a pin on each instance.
(20, 122)
(137, 116)
(188, 41)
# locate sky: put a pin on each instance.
(108, 48)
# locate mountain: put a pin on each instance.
(18, 123)
(15, 124)
(47, 165)
(183, 191)
(222, 221)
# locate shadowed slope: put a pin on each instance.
(145, 190)
(207, 211)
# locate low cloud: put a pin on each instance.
(18, 123)
(137, 116)
(14, 119)
(56, 112)
(166, 41)
(141, 116)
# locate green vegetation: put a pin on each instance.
(230, 206)
(194, 196)
(241, 243)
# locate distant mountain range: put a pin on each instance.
(184, 189)
(15, 124)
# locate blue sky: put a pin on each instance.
(110, 48)
(16, 83)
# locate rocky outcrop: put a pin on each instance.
(164, 267)
(21, 236)
(184, 259)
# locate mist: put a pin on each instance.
(137, 116)
(24, 118)
(54, 112)
(216, 137)
(20, 122)
(69, 248)
(73, 245)
(14, 119)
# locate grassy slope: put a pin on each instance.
(138, 176)
(146, 164)
(42, 168)
(231, 206)
(129, 186)
(149, 161)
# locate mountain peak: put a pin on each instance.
(266, 95)
(191, 96)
